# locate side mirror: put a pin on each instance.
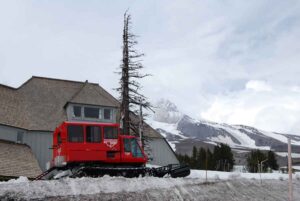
(53, 147)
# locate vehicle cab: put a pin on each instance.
(91, 142)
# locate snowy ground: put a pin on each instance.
(220, 186)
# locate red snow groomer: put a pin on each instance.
(95, 149)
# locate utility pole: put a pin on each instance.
(258, 168)
(206, 166)
(290, 170)
(261, 169)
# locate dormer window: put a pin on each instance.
(92, 112)
(107, 114)
(77, 111)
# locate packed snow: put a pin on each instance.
(239, 174)
(171, 128)
(224, 139)
(168, 127)
(219, 186)
(244, 139)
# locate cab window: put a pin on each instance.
(75, 133)
(93, 134)
(135, 149)
(110, 133)
(127, 145)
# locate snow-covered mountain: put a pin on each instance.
(183, 131)
(166, 112)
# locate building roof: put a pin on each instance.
(39, 103)
(17, 160)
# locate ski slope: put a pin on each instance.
(168, 120)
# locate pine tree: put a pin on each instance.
(194, 158)
(129, 90)
(210, 160)
(184, 159)
(187, 159)
(253, 160)
(223, 157)
(272, 162)
(202, 159)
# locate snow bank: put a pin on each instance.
(220, 186)
(216, 175)
(18, 180)
(85, 186)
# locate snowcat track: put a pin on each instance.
(174, 170)
(44, 174)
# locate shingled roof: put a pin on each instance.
(17, 160)
(39, 104)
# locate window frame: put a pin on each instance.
(73, 111)
(104, 133)
(93, 118)
(100, 118)
(86, 134)
(137, 153)
(110, 113)
(68, 135)
(127, 145)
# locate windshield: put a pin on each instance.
(131, 145)
(135, 148)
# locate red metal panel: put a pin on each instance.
(106, 151)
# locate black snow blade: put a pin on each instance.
(180, 171)
(174, 170)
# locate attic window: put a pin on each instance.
(107, 114)
(91, 112)
(77, 111)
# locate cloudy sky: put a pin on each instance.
(228, 61)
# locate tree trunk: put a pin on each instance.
(125, 80)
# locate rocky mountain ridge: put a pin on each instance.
(182, 132)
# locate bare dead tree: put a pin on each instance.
(129, 89)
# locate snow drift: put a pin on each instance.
(220, 186)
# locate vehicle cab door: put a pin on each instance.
(132, 152)
(57, 142)
(58, 155)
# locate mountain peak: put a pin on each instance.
(166, 111)
(167, 105)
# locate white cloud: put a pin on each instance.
(272, 110)
(202, 54)
(258, 85)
